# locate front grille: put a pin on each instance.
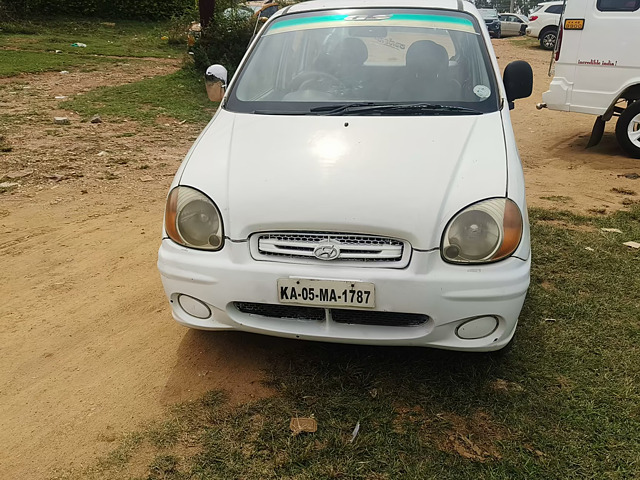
(387, 319)
(338, 315)
(339, 247)
(281, 311)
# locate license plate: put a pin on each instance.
(326, 293)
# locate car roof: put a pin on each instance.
(555, 2)
(337, 4)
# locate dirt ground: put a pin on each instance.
(89, 349)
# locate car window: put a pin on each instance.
(488, 13)
(554, 9)
(618, 5)
(303, 61)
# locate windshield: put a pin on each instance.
(310, 63)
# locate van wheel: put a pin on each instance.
(548, 39)
(628, 129)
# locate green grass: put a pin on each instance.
(563, 402)
(14, 62)
(180, 95)
(126, 38)
(525, 41)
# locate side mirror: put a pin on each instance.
(215, 80)
(518, 81)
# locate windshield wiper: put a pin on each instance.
(341, 107)
(280, 112)
(377, 109)
(395, 108)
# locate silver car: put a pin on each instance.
(513, 24)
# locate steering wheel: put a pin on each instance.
(307, 81)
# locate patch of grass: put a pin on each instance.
(164, 467)
(525, 41)
(564, 402)
(180, 95)
(14, 62)
(623, 191)
(125, 38)
(557, 198)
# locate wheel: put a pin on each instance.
(548, 39)
(315, 81)
(628, 129)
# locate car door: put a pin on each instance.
(508, 25)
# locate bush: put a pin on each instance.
(225, 40)
(178, 26)
(140, 9)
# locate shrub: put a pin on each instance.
(225, 40)
(142, 9)
(178, 26)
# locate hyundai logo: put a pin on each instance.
(326, 251)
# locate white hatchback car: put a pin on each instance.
(389, 207)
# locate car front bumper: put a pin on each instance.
(494, 29)
(448, 294)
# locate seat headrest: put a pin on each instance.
(427, 57)
(352, 51)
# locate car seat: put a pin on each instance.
(348, 59)
(425, 74)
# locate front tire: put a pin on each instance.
(628, 129)
(548, 39)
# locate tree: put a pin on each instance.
(207, 8)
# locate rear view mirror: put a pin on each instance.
(518, 81)
(215, 82)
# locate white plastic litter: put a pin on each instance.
(354, 434)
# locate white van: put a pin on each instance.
(360, 183)
(597, 68)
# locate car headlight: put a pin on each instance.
(193, 220)
(484, 232)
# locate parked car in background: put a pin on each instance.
(390, 209)
(543, 23)
(599, 77)
(252, 9)
(513, 24)
(491, 19)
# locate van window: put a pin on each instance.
(618, 5)
(306, 61)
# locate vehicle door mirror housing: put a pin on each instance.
(215, 82)
(518, 81)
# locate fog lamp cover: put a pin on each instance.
(194, 307)
(477, 328)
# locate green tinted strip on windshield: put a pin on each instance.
(397, 20)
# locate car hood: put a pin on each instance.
(403, 177)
